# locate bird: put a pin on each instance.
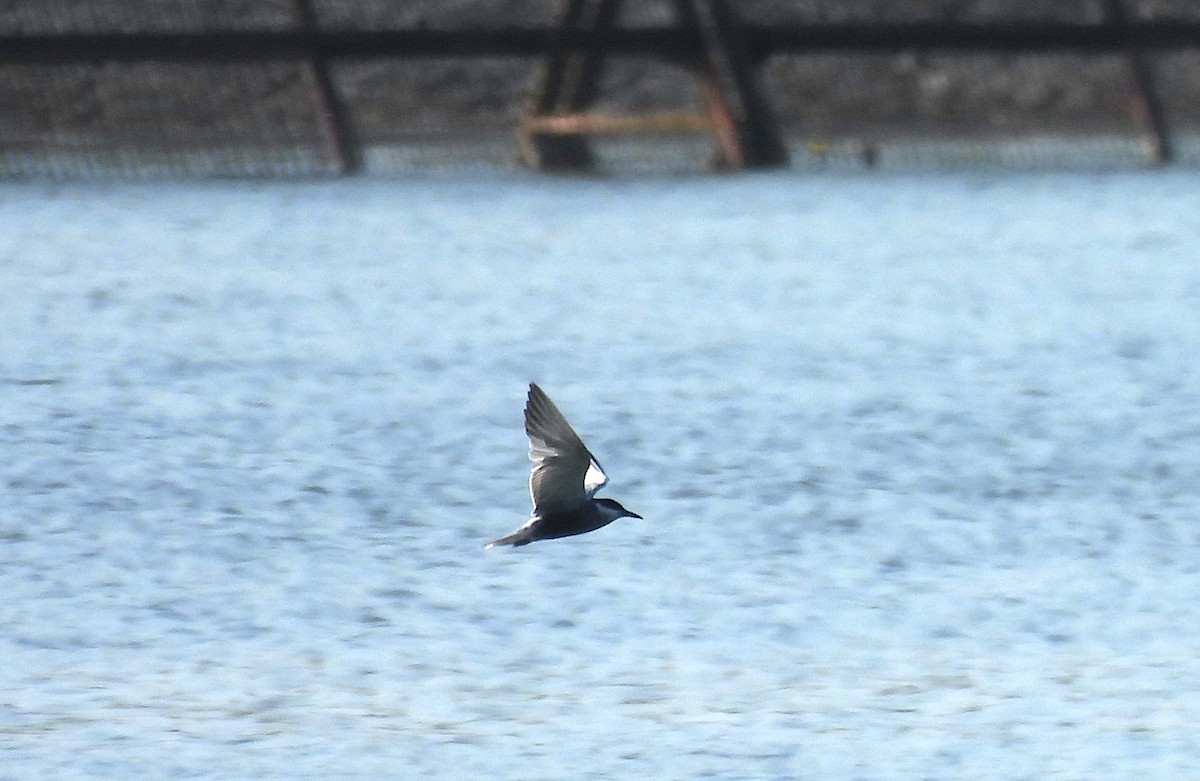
(564, 479)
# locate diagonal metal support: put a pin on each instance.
(333, 119)
(745, 128)
(555, 125)
(1147, 105)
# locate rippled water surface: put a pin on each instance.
(918, 455)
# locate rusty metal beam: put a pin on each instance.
(607, 123)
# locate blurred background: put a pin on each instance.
(292, 87)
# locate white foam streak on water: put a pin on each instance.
(917, 456)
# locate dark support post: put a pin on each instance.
(567, 85)
(333, 120)
(1147, 105)
(747, 135)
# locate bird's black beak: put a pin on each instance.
(635, 515)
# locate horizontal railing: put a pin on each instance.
(665, 42)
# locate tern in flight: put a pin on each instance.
(564, 480)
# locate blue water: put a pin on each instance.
(918, 455)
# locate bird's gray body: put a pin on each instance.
(564, 480)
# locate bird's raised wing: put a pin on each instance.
(565, 475)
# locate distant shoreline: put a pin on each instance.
(496, 151)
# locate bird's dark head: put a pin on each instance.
(614, 509)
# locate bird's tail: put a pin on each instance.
(519, 537)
